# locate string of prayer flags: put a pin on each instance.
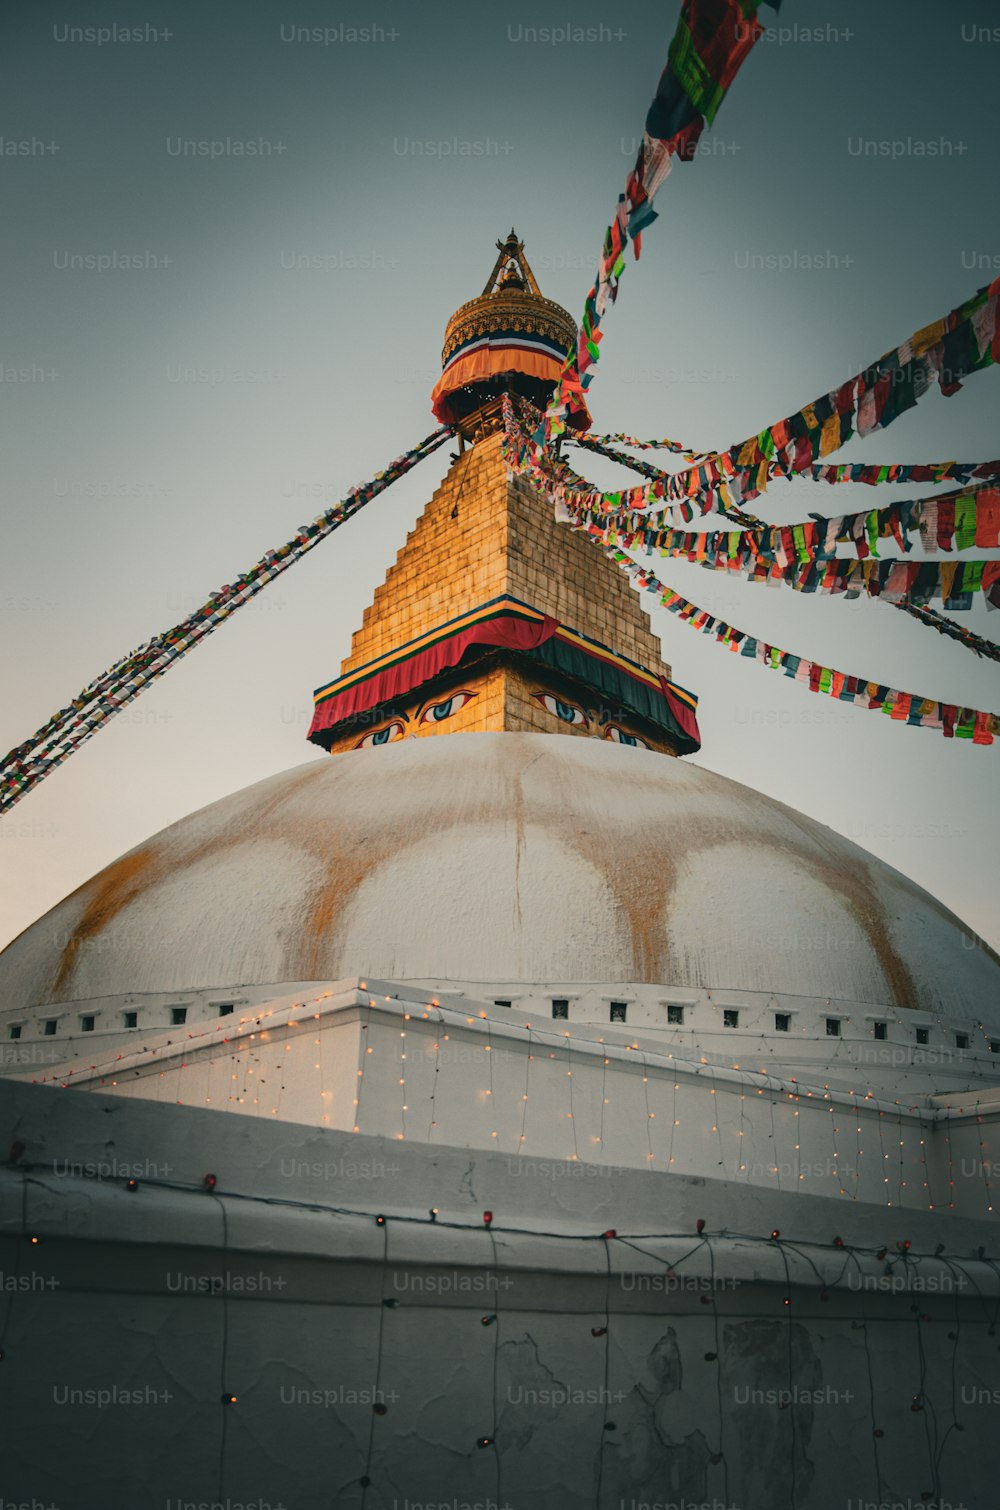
(520, 452)
(794, 559)
(677, 447)
(30, 762)
(974, 642)
(699, 490)
(959, 521)
(794, 552)
(964, 341)
(643, 467)
(908, 708)
(945, 352)
(873, 474)
(711, 42)
(890, 523)
(802, 556)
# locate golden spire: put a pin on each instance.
(509, 338)
(511, 269)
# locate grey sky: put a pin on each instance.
(163, 424)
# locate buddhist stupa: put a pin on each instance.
(523, 1106)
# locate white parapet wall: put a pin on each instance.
(392, 1062)
(355, 1320)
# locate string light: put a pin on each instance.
(391, 1303)
(984, 1168)
(261, 1028)
(402, 1080)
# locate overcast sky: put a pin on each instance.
(277, 335)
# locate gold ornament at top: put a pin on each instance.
(511, 300)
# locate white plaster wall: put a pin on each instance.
(651, 1409)
(755, 919)
(493, 900)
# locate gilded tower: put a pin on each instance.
(494, 615)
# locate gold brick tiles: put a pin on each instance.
(486, 533)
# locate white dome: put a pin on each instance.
(504, 857)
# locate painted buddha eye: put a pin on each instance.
(385, 736)
(569, 713)
(620, 737)
(438, 712)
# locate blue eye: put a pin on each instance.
(620, 737)
(438, 712)
(385, 736)
(568, 713)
